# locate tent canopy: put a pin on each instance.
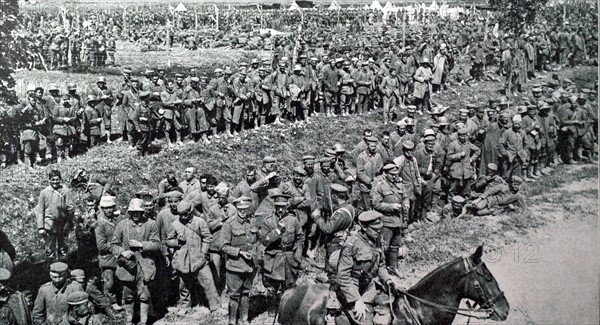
(376, 5)
(180, 8)
(334, 6)
(294, 6)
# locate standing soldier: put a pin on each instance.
(411, 178)
(361, 264)
(242, 91)
(64, 117)
(280, 94)
(191, 107)
(190, 238)
(239, 236)
(390, 200)
(390, 88)
(263, 96)
(460, 158)
(422, 85)
(54, 214)
(336, 229)
(347, 90)
(141, 117)
(105, 98)
(297, 85)
(330, 79)
(108, 218)
(93, 121)
(368, 164)
(31, 120)
(282, 235)
(134, 240)
(51, 302)
(363, 80)
(512, 153)
(171, 99)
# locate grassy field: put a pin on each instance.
(434, 244)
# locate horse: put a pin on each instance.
(433, 300)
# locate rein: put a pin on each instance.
(487, 307)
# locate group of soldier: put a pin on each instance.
(350, 214)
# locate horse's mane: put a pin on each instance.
(434, 274)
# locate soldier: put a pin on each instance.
(190, 238)
(243, 188)
(142, 120)
(411, 178)
(192, 107)
(498, 197)
(368, 164)
(262, 91)
(239, 235)
(108, 218)
(390, 88)
(422, 85)
(460, 158)
(218, 213)
(267, 180)
(429, 158)
(330, 78)
(92, 121)
(30, 121)
(64, 118)
(490, 179)
(51, 303)
(300, 198)
(547, 122)
(279, 92)
(171, 99)
(390, 200)
(134, 241)
(191, 184)
(364, 80)
(361, 264)
(79, 311)
(512, 153)
(281, 234)
(7, 315)
(97, 299)
(242, 103)
(347, 90)
(335, 228)
(455, 209)
(54, 215)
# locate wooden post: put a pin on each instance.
(403, 28)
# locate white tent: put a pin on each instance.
(376, 5)
(180, 8)
(388, 6)
(434, 6)
(334, 6)
(294, 6)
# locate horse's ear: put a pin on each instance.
(477, 255)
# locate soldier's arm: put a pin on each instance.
(502, 188)
(348, 285)
(39, 210)
(117, 241)
(330, 225)
(502, 144)
(97, 297)
(207, 237)
(360, 171)
(454, 154)
(299, 236)
(153, 242)
(476, 152)
(39, 308)
(172, 240)
(267, 233)
(226, 237)
(102, 242)
(213, 222)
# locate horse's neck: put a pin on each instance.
(443, 286)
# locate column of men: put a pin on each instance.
(216, 235)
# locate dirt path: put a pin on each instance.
(553, 276)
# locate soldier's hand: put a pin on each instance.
(360, 310)
(271, 175)
(397, 206)
(246, 255)
(127, 254)
(181, 239)
(135, 243)
(42, 231)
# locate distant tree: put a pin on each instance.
(9, 9)
(515, 15)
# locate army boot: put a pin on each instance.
(233, 310)
(393, 260)
(244, 308)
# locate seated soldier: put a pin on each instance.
(454, 209)
(498, 198)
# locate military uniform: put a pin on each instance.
(239, 235)
(51, 302)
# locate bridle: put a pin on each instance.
(488, 303)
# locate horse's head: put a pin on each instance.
(482, 287)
